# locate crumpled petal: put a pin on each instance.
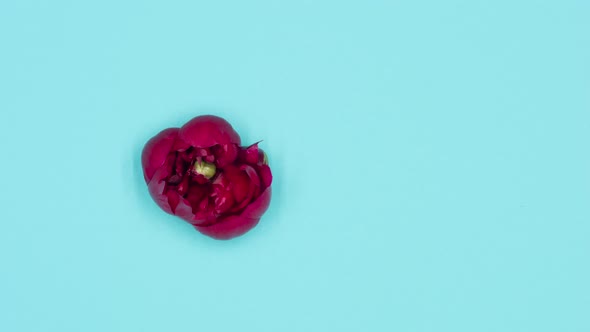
(236, 225)
(250, 155)
(180, 206)
(184, 209)
(225, 154)
(207, 130)
(239, 183)
(156, 188)
(265, 175)
(258, 207)
(223, 202)
(180, 145)
(228, 228)
(156, 151)
(253, 186)
(222, 194)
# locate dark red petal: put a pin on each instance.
(221, 181)
(188, 157)
(156, 188)
(253, 185)
(241, 187)
(195, 194)
(249, 155)
(184, 209)
(222, 195)
(239, 182)
(257, 208)
(200, 179)
(156, 151)
(180, 166)
(180, 145)
(236, 225)
(249, 170)
(173, 200)
(265, 175)
(201, 152)
(174, 180)
(225, 154)
(223, 202)
(228, 228)
(184, 185)
(180, 206)
(205, 211)
(169, 163)
(261, 157)
(208, 130)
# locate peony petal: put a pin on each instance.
(205, 212)
(174, 180)
(238, 182)
(156, 151)
(225, 154)
(221, 194)
(228, 228)
(184, 209)
(156, 188)
(265, 175)
(250, 154)
(249, 170)
(208, 130)
(224, 202)
(201, 152)
(257, 208)
(240, 188)
(222, 182)
(261, 157)
(180, 206)
(183, 187)
(180, 166)
(180, 145)
(173, 200)
(195, 195)
(200, 179)
(236, 225)
(253, 187)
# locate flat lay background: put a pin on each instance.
(431, 162)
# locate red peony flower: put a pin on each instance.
(200, 173)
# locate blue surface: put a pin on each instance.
(431, 161)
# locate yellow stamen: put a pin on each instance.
(205, 169)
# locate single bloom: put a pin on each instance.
(202, 174)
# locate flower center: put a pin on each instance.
(205, 169)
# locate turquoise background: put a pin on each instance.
(431, 162)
